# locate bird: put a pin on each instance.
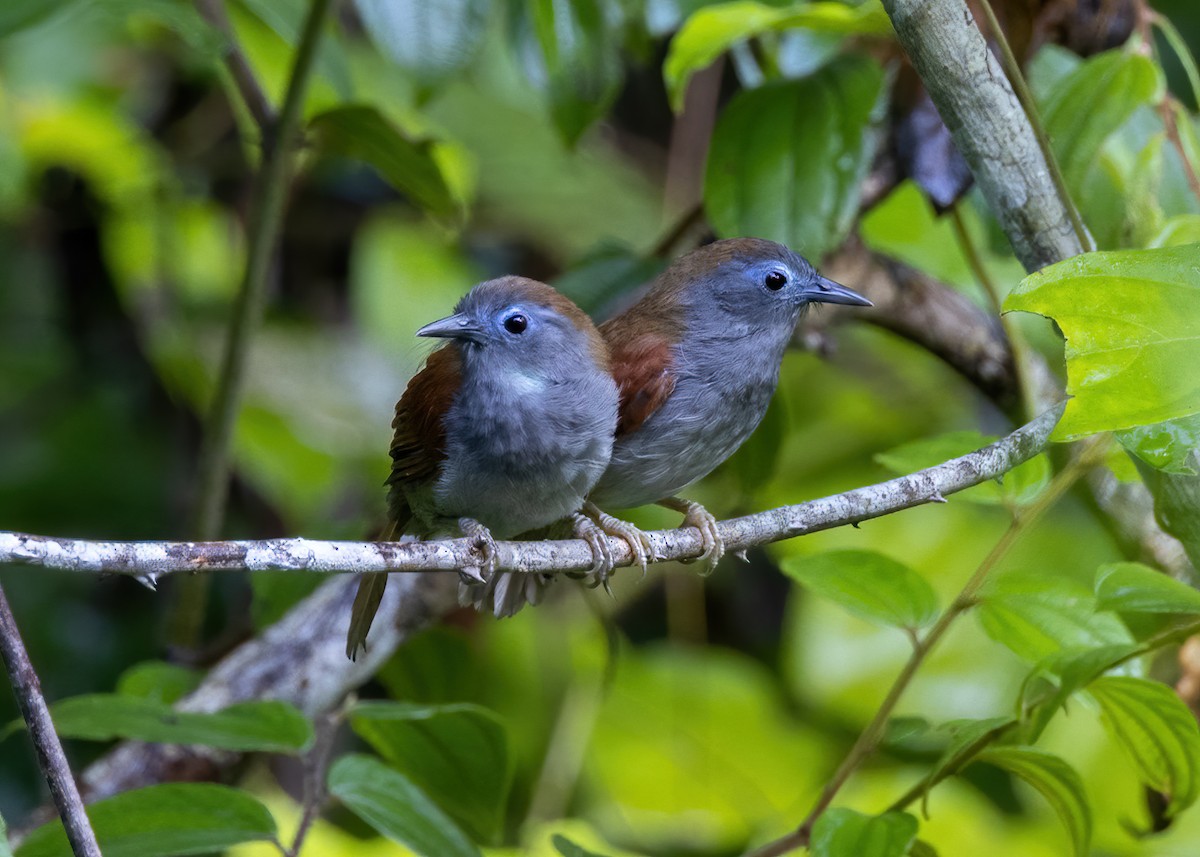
(506, 428)
(696, 361)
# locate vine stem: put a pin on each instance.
(50, 756)
(266, 218)
(869, 738)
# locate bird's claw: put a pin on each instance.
(602, 558)
(695, 515)
(639, 543)
(483, 542)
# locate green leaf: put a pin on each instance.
(1057, 782)
(410, 166)
(787, 159)
(17, 15)
(711, 31)
(162, 821)
(964, 736)
(1037, 616)
(572, 54)
(246, 726)
(567, 848)
(1050, 684)
(440, 747)
(1166, 446)
(392, 805)
(1132, 322)
(841, 832)
(1020, 485)
(1091, 103)
(1130, 587)
(158, 681)
(1158, 731)
(430, 41)
(868, 584)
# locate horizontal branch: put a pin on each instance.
(149, 561)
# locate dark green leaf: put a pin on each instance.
(1158, 731)
(1094, 101)
(162, 821)
(1057, 782)
(711, 31)
(567, 848)
(410, 166)
(392, 805)
(606, 273)
(1177, 504)
(429, 40)
(158, 681)
(1130, 587)
(1039, 615)
(965, 737)
(1132, 322)
(841, 832)
(17, 15)
(440, 747)
(1052, 681)
(246, 726)
(921, 848)
(754, 462)
(1020, 485)
(1170, 445)
(787, 160)
(868, 584)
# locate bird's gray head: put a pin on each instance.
(521, 324)
(753, 282)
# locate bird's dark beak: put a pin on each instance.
(457, 326)
(828, 292)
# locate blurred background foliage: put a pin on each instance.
(454, 140)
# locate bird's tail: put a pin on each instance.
(370, 592)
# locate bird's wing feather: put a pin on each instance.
(642, 368)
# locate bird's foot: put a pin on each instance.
(639, 543)
(602, 559)
(695, 515)
(483, 542)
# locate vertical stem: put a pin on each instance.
(266, 218)
(51, 758)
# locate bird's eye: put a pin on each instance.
(775, 280)
(516, 323)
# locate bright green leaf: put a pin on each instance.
(1132, 322)
(163, 821)
(1050, 684)
(1091, 103)
(431, 41)
(1180, 229)
(440, 747)
(842, 832)
(1020, 485)
(1158, 731)
(787, 159)
(1167, 446)
(246, 726)
(410, 166)
(868, 584)
(567, 848)
(1057, 782)
(1130, 587)
(391, 804)
(158, 681)
(964, 738)
(1037, 616)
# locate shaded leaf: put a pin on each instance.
(17, 15)
(787, 160)
(567, 848)
(964, 737)
(286, 19)
(1020, 485)
(1159, 733)
(430, 41)
(1057, 782)
(1130, 587)
(158, 681)
(1050, 684)
(1132, 322)
(606, 273)
(245, 726)
(410, 166)
(389, 802)
(1167, 446)
(441, 747)
(868, 584)
(162, 821)
(842, 832)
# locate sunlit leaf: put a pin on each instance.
(842, 832)
(392, 805)
(787, 160)
(440, 747)
(163, 821)
(1130, 587)
(1092, 102)
(567, 848)
(868, 584)
(1159, 733)
(1168, 446)
(245, 726)
(1057, 782)
(1020, 485)
(429, 40)
(1132, 322)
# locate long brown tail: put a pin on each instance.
(370, 593)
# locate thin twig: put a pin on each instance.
(316, 764)
(51, 758)
(149, 561)
(246, 84)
